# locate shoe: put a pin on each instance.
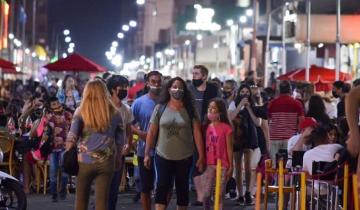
(63, 195)
(241, 200)
(54, 198)
(136, 198)
(196, 203)
(248, 199)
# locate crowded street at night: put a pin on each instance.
(180, 104)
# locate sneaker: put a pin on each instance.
(196, 203)
(241, 200)
(54, 198)
(248, 199)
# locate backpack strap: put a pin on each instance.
(160, 112)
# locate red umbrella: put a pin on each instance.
(316, 74)
(76, 63)
(7, 67)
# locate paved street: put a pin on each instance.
(41, 202)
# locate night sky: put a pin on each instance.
(94, 24)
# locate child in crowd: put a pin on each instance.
(333, 134)
(219, 145)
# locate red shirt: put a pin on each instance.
(284, 113)
(134, 89)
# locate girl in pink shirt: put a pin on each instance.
(219, 145)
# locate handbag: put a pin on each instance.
(70, 161)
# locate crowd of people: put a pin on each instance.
(177, 129)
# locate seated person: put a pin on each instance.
(297, 142)
(333, 134)
(322, 150)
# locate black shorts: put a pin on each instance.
(147, 176)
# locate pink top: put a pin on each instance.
(216, 145)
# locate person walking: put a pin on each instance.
(203, 92)
(93, 131)
(142, 109)
(219, 145)
(118, 87)
(175, 131)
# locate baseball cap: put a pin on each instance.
(308, 122)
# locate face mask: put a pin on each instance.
(227, 94)
(335, 94)
(213, 116)
(155, 90)
(197, 82)
(177, 93)
(122, 94)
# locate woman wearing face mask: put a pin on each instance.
(241, 112)
(174, 127)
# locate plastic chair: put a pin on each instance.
(269, 171)
(7, 142)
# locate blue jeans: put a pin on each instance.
(55, 165)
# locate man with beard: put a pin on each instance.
(142, 109)
(59, 120)
(118, 88)
(203, 92)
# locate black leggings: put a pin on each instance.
(167, 171)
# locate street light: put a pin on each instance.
(140, 2)
(229, 22)
(67, 39)
(66, 32)
(197, 6)
(243, 19)
(199, 37)
(125, 28)
(71, 45)
(187, 42)
(133, 23)
(249, 12)
(120, 35)
(27, 51)
(70, 50)
(64, 55)
(11, 36)
(114, 44)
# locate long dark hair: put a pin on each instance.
(317, 109)
(238, 98)
(220, 104)
(63, 85)
(188, 100)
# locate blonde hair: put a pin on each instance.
(96, 108)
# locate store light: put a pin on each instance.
(243, 19)
(249, 12)
(187, 42)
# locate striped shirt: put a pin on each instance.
(284, 113)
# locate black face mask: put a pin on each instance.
(122, 94)
(241, 97)
(197, 82)
(227, 94)
(335, 94)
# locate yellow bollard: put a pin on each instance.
(258, 191)
(217, 185)
(281, 184)
(355, 191)
(346, 186)
(303, 191)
